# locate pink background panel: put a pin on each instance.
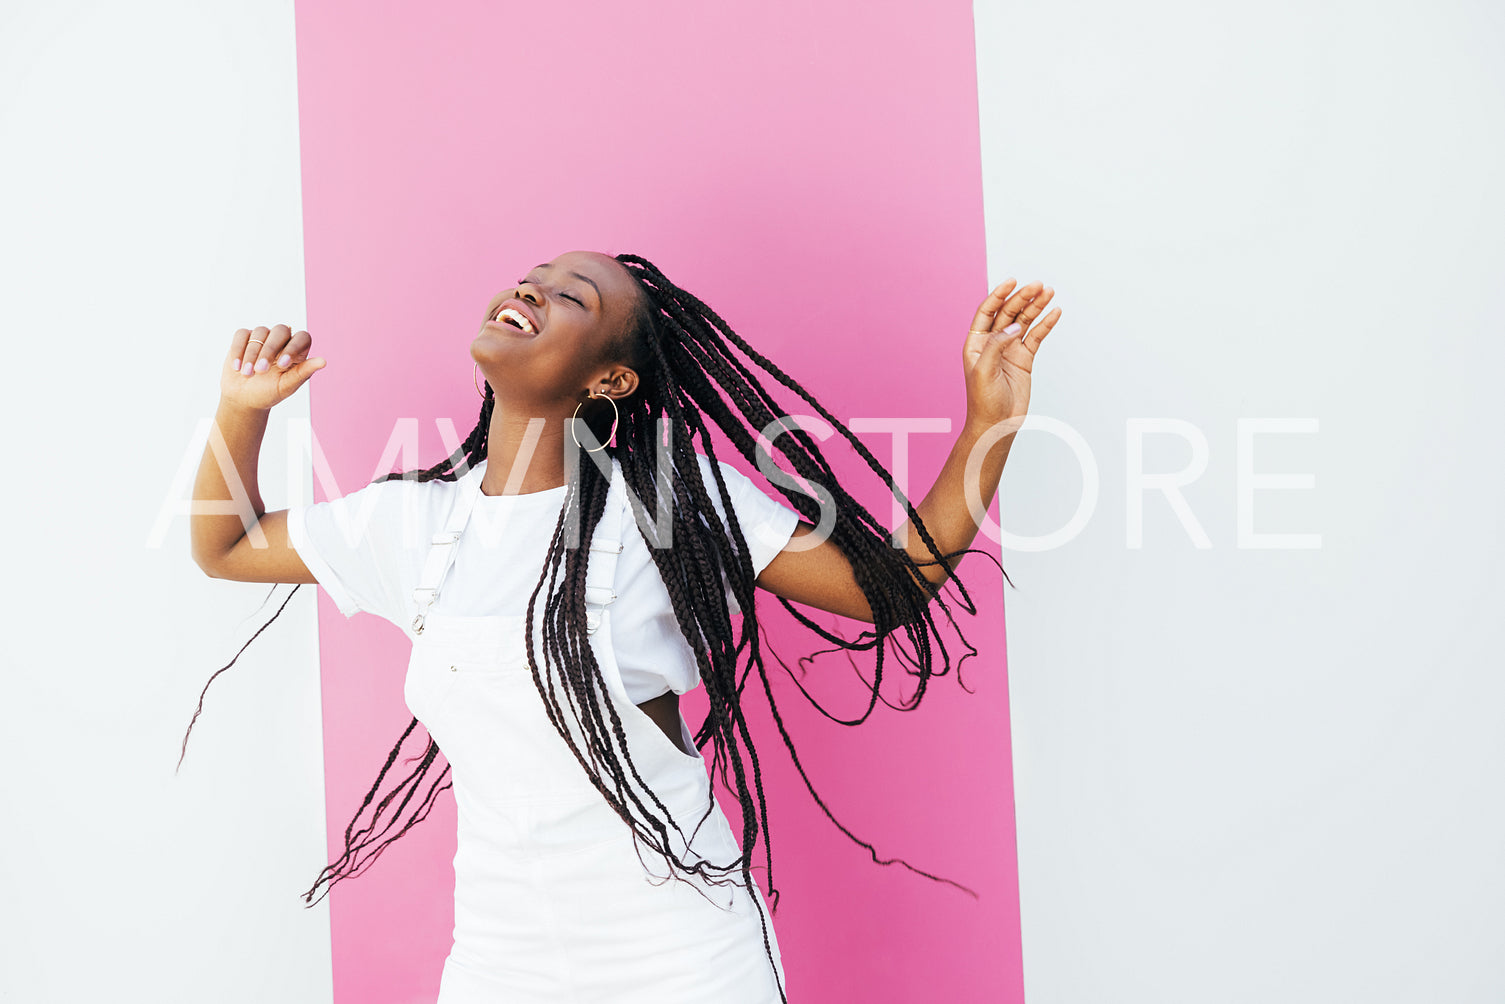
(810, 171)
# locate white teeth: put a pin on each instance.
(520, 318)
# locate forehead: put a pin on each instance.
(608, 273)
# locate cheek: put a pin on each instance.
(560, 363)
(575, 346)
(601, 347)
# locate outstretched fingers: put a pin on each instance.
(1024, 306)
(1036, 334)
(1014, 324)
(987, 312)
(1030, 302)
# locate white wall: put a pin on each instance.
(1246, 774)
(149, 206)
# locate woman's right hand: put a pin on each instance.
(266, 365)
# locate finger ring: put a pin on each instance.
(258, 341)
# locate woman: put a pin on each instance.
(564, 577)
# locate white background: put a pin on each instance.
(149, 206)
(1247, 774)
(1243, 774)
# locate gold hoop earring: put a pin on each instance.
(475, 378)
(615, 414)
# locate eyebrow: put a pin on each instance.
(582, 278)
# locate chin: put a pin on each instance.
(490, 347)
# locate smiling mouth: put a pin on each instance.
(510, 329)
(512, 317)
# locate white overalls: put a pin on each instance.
(552, 901)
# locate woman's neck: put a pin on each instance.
(524, 454)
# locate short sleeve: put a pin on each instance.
(357, 547)
(767, 523)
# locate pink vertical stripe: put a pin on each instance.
(812, 172)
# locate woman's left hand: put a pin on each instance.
(997, 361)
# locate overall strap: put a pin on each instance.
(605, 546)
(441, 552)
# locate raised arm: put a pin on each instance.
(997, 359)
(251, 383)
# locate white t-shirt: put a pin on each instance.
(367, 550)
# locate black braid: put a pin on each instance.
(683, 354)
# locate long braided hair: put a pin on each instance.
(683, 353)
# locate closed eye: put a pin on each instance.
(565, 296)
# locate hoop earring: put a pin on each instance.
(475, 378)
(615, 414)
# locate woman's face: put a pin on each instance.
(577, 305)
